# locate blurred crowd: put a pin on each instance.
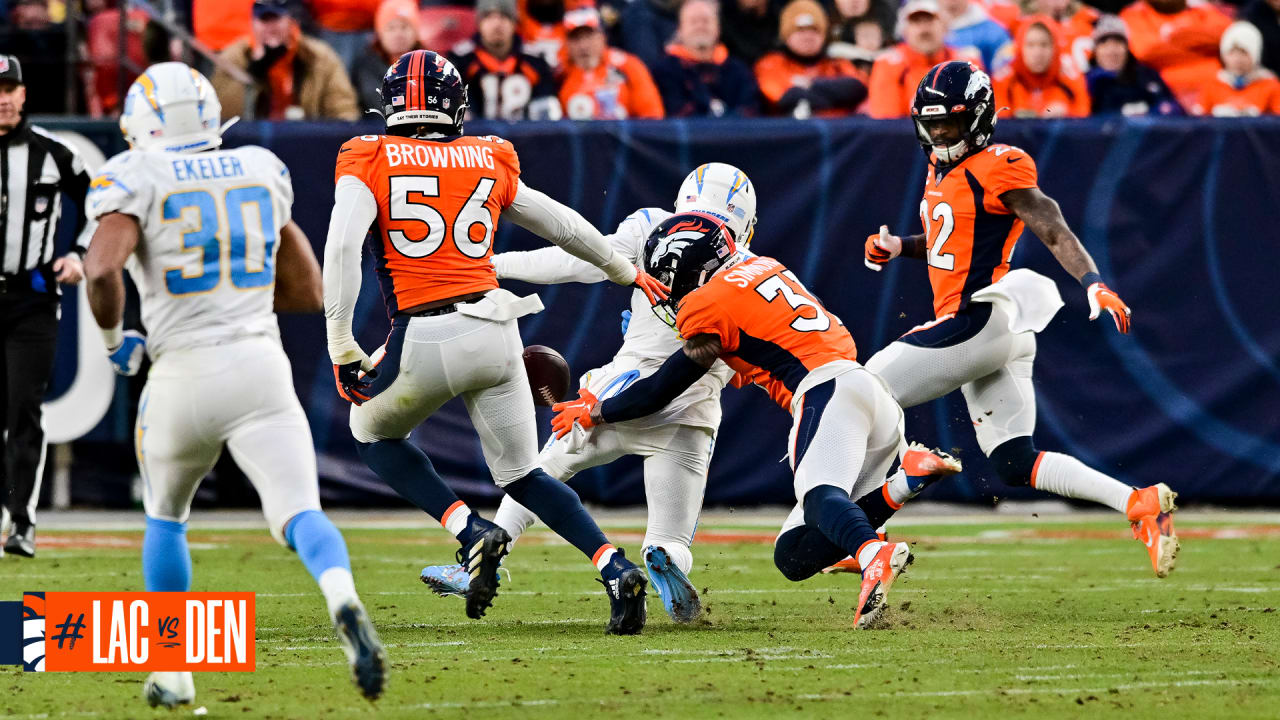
(610, 59)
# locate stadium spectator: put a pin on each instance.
(541, 27)
(970, 27)
(1118, 83)
(1177, 39)
(1041, 81)
(897, 72)
(102, 40)
(646, 26)
(504, 81)
(1265, 15)
(297, 76)
(850, 18)
(697, 76)
(218, 23)
(1005, 12)
(1242, 87)
(344, 25)
(395, 33)
(1077, 21)
(41, 47)
(800, 79)
(599, 82)
(749, 28)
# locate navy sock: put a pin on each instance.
(803, 552)
(560, 508)
(876, 507)
(408, 471)
(829, 509)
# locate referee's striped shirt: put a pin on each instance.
(36, 168)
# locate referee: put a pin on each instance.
(35, 169)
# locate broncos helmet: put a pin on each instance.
(960, 91)
(423, 88)
(683, 252)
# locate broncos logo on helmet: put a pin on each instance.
(423, 88)
(683, 253)
(956, 92)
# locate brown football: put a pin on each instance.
(548, 374)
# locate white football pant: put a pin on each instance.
(238, 394)
(445, 356)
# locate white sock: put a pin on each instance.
(339, 588)
(868, 552)
(513, 517)
(603, 556)
(1064, 475)
(455, 519)
(680, 555)
(900, 488)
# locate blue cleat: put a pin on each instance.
(447, 580)
(678, 595)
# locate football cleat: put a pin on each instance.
(169, 689)
(481, 561)
(1150, 510)
(679, 597)
(364, 650)
(849, 564)
(890, 561)
(446, 580)
(625, 584)
(920, 461)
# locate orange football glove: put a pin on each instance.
(1102, 298)
(573, 411)
(650, 286)
(881, 248)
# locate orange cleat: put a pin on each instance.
(877, 578)
(847, 565)
(1150, 510)
(919, 461)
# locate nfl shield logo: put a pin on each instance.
(445, 103)
(41, 204)
(4, 63)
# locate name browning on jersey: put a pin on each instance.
(438, 155)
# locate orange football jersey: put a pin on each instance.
(771, 329)
(970, 233)
(438, 208)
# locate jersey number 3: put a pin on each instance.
(408, 203)
(243, 236)
(769, 290)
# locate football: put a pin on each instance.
(548, 374)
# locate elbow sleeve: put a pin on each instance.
(354, 210)
(539, 214)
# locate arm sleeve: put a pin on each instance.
(552, 265)
(544, 217)
(77, 188)
(649, 395)
(354, 210)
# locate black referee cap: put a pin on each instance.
(10, 69)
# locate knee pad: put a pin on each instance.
(1014, 460)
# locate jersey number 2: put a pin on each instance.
(408, 202)
(769, 290)
(244, 238)
(943, 212)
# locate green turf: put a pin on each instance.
(1044, 619)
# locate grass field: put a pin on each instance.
(1045, 617)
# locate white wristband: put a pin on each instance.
(113, 337)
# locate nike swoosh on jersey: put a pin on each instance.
(1012, 160)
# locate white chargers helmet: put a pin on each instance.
(171, 107)
(723, 191)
